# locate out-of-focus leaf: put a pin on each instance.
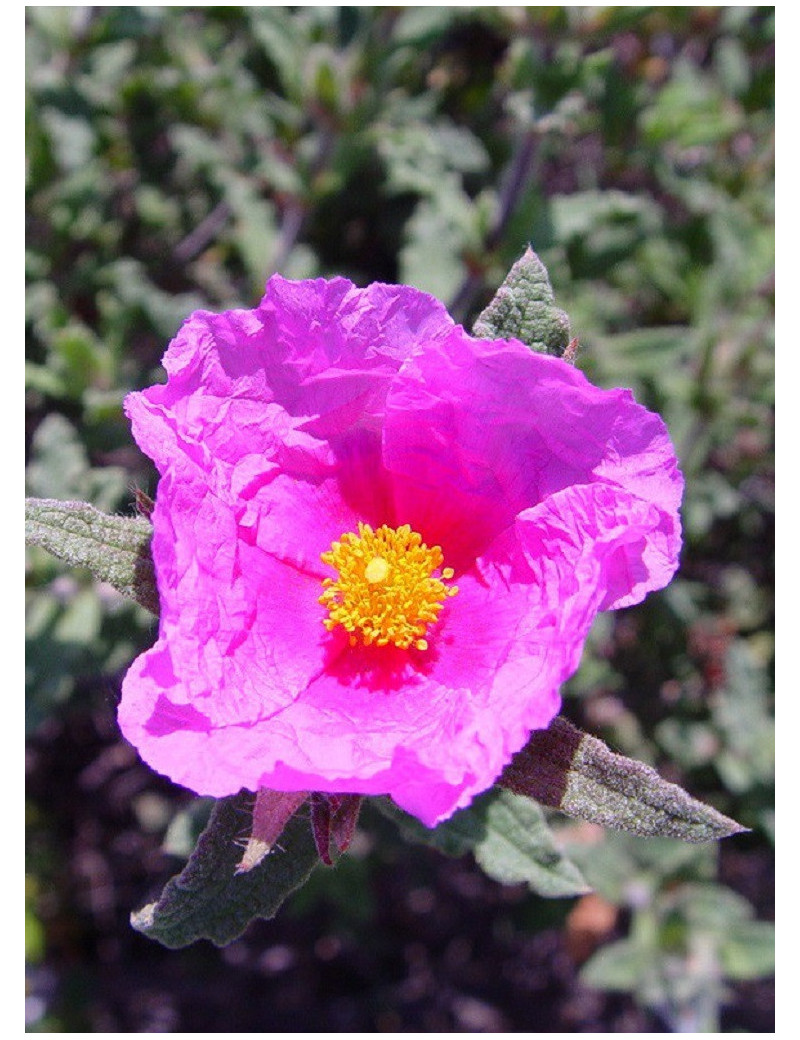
(614, 217)
(748, 951)
(711, 907)
(59, 461)
(421, 157)
(683, 944)
(281, 38)
(627, 870)
(35, 938)
(186, 827)
(741, 713)
(60, 640)
(431, 258)
(129, 291)
(691, 744)
(417, 26)
(60, 464)
(690, 111)
(618, 966)
(73, 138)
(732, 65)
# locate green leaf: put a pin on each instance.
(741, 712)
(689, 111)
(60, 467)
(509, 837)
(60, 648)
(748, 951)
(524, 308)
(628, 870)
(209, 899)
(116, 549)
(618, 966)
(280, 37)
(746, 947)
(431, 258)
(571, 771)
(604, 221)
(519, 846)
(186, 827)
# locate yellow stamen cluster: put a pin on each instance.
(385, 592)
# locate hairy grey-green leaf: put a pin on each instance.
(115, 549)
(209, 899)
(524, 308)
(509, 837)
(578, 774)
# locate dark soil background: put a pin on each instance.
(424, 943)
(439, 948)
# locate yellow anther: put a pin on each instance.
(385, 591)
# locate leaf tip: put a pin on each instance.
(142, 920)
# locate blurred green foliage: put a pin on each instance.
(176, 157)
(688, 936)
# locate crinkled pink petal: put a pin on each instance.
(430, 728)
(477, 431)
(283, 427)
(323, 352)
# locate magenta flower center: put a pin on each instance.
(386, 590)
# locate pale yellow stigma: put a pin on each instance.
(377, 570)
(385, 591)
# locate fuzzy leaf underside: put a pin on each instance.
(209, 899)
(524, 308)
(519, 846)
(578, 774)
(509, 837)
(116, 549)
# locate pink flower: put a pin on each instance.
(492, 501)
